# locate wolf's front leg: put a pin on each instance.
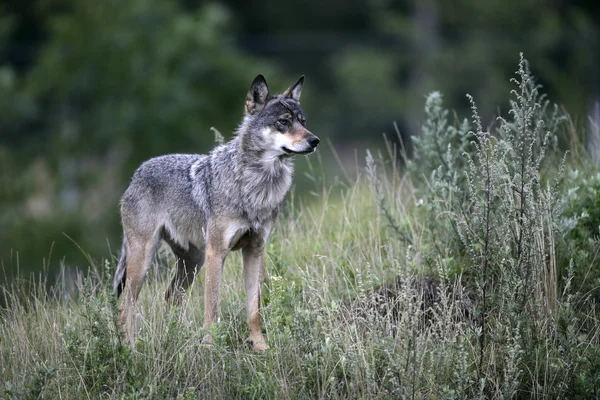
(253, 260)
(215, 257)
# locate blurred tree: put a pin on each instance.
(141, 74)
(114, 83)
(463, 47)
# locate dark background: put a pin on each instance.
(91, 88)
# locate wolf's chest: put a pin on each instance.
(266, 189)
(261, 198)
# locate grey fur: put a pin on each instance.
(179, 197)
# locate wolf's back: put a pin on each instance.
(161, 196)
(161, 184)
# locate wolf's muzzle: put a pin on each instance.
(313, 141)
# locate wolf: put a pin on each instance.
(205, 206)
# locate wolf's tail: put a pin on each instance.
(121, 272)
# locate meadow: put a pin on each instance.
(468, 269)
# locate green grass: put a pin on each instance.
(319, 259)
(330, 336)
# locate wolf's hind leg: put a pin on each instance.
(140, 254)
(189, 263)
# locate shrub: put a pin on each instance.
(493, 209)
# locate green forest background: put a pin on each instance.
(89, 89)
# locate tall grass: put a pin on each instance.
(443, 282)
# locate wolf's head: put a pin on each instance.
(276, 123)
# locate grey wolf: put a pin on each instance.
(204, 206)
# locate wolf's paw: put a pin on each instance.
(208, 340)
(259, 344)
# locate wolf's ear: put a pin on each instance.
(257, 95)
(294, 91)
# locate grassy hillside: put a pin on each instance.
(472, 274)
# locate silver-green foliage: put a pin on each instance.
(493, 204)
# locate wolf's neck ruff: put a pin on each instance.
(261, 178)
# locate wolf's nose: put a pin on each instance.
(313, 141)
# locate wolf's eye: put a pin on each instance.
(302, 119)
(283, 121)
